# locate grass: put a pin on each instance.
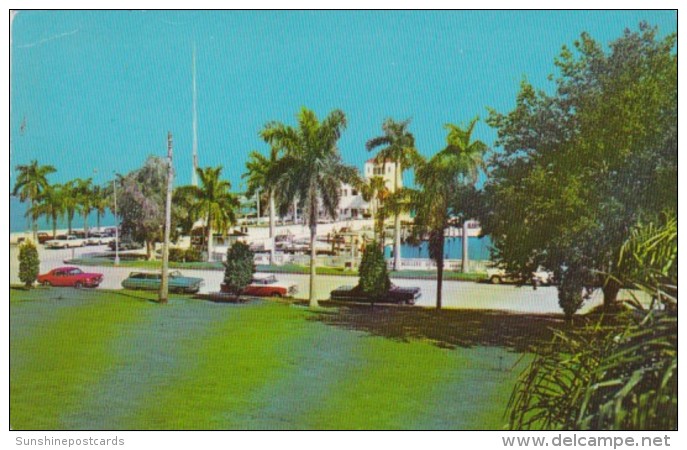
(96, 359)
(286, 268)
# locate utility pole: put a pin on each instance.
(114, 186)
(164, 285)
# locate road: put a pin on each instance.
(456, 294)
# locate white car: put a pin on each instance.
(498, 276)
(64, 241)
(98, 240)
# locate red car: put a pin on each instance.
(70, 276)
(266, 285)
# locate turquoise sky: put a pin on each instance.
(98, 91)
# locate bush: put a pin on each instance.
(239, 268)
(374, 277)
(29, 264)
(185, 255)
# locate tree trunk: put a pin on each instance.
(97, 220)
(34, 224)
(397, 224)
(54, 226)
(149, 250)
(209, 236)
(272, 223)
(466, 246)
(85, 224)
(610, 290)
(70, 218)
(313, 272)
(440, 270)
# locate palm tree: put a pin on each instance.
(311, 170)
(31, 182)
(398, 146)
(71, 203)
(100, 203)
(84, 198)
(432, 209)
(467, 159)
(50, 205)
(214, 203)
(261, 175)
(375, 192)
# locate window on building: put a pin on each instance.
(354, 192)
(388, 169)
(345, 192)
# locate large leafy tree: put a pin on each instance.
(31, 182)
(50, 205)
(311, 169)
(141, 202)
(397, 145)
(581, 166)
(261, 174)
(215, 204)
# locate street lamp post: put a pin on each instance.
(116, 260)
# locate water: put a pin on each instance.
(453, 249)
(20, 223)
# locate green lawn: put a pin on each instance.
(85, 359)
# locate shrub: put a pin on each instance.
(29, 264)
(177, 254)
(185, 255)
(374, 277)
(239, 267)
(193, 255)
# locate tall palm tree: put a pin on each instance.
(262, 174)
(311, 169)
(84, 198)
(31, 183)
(71, 202)
(466, 159)
(431, 203)
(397, 145)
(214, 203)
(50, 205)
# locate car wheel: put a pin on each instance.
(78, 285)
(496, 280)
(410, 302)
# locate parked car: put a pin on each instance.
(396, 294)
(152, 281)
(498, 276)
(98, 239)
(43, 237)
(125, 244)
(64, 241)
(70, 276)
(266, 285)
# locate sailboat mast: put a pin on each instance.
(194, 175)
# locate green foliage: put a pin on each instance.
(580, 167)
(612, 376)
(374, 276)
(185, 255)
(29, 264)
(239, 267)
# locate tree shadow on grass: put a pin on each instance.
(447, 328)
